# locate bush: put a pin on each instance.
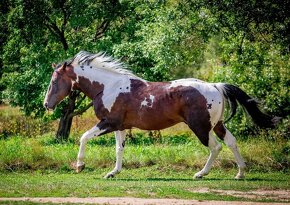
(13, 123)
(262, 72)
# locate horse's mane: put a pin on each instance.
(100, 61)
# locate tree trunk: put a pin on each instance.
(68, 113)
(65, 122)
(64, 126)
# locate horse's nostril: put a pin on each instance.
(45, 105)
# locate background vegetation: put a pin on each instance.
(243, 43)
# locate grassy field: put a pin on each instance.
(38, 167)
(180, 151)
(154, 167)
(144, 182)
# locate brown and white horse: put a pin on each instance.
(122, 101)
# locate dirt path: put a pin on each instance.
(283, 196)
(277, 195)
(133, 201)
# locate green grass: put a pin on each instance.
(38, 167)
(179, 151)
(146, 182)
(154, 167)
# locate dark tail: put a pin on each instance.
(234, 94)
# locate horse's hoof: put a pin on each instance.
(109, 175)
(76, 167)
(80, 168)
(239, 177)
(199, 175)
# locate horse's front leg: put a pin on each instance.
(94, 132)
(120, 144)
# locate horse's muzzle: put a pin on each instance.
(47, 107)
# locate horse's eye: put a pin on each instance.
(54, 82)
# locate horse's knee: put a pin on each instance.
(214, 146)
(84, 138)
(218, 147)
(120, 149)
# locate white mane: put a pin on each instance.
(101, 61)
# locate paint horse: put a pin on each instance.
(122, 101)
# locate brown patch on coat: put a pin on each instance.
(162, 112)
(220, 130)
(90, 89)
(197, 114)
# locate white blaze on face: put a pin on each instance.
(114, 83)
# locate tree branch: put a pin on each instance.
(78, 112)
(59, 33)
(101, 29)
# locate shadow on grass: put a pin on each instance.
(197, 180)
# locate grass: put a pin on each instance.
(145, 182)
(180, 151)
(154, 167)
(38, 167)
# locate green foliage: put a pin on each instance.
(246, 44)
(29, 50)
(265, 20)
(261, 72)
(12, 123)
(145, 139)
(161, 42)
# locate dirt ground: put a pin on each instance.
(133, 201)
(277, 195)
(283, 196)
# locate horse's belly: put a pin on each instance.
(153, 119)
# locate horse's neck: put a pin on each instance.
(101, 80)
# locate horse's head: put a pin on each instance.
(59, 87)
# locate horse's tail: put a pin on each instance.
(233, 94)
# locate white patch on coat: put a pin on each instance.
(151, 97)
(148, 102)
(104, 70)
(114, 83)
(144, 102)
(213, 97)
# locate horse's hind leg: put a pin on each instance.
(215, 147)
(223, 133)
(200, 125)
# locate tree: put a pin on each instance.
(3, 38)
(268, 20)
(41, 32)
(159, 40)
(253, 43)
(164, 43)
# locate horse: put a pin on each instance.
(121, 101)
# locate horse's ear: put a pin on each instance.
(64, 66)
(53, 65)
